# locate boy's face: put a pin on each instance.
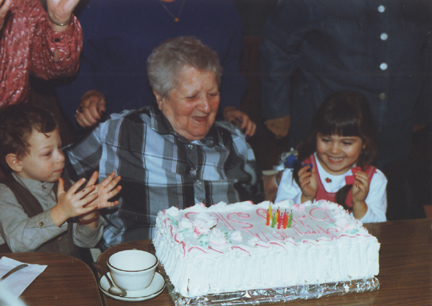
(45, 161)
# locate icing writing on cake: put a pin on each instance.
(221, 228)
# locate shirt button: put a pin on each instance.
(384, 36)
(381, 8)
(382, 96)
(190, 147)
(192, 172)
(41, 224)
(383, 66)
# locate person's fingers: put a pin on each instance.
(60, 187)
(83, 121)
(93, 179)
(93, 108)
(89, 116)
(101, 107)
(76, 186)
(86, 192)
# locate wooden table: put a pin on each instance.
(405, 268)
(65, 281)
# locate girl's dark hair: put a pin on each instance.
(17, 123)
(345, 113)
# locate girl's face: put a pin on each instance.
(337, 154)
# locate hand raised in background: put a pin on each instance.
(60, 12)
(279, 126)
(4, 9)
(91, 109)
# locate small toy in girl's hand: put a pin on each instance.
(310, 167)
(289, 159)
(350, 179)
(355, 170)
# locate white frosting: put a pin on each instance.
(226, 248)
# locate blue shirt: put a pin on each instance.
(379, 48)
(160, 169)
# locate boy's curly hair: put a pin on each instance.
(17, 123)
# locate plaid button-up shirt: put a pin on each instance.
(160, 169)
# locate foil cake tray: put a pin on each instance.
(274, 295)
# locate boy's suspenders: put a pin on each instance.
(61, 244)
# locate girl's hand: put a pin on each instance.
(106, 190)
(308, 183)
(61, 12)
(4, 8)
(73, 202)
(360, 189)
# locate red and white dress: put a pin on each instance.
(27, 45)
(329, 184)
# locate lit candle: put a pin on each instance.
(285, 220)
(268, 217)
(279, 219)
(290, 219)
(273, 221)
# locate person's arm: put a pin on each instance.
(280, 50)
(71, 91)
(288, 188)
(376, 200)
(54, 54)
(21, 233)
(83, 158)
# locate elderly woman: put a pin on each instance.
(172, 153)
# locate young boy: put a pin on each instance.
(37, 212)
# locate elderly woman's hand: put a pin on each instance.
(4, 8)
(60, 13)
(240, 119)
(91, 109)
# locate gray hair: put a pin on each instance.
(166, 61)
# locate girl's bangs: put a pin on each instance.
(344, 126)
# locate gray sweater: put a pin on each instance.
(24, 234)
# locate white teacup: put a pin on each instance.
(132, 269)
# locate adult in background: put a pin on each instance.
(118, 38)
(171, 153)
(33, 41)
(381, 49)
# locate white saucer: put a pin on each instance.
(153, 290)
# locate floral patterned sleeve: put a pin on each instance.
(28, 45)
(45, 41)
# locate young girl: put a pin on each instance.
(334, 161)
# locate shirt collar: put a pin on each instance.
(34, 185)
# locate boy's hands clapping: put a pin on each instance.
(74, 203)
(308, 183)
(105, 190)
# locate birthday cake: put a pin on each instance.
(242, 246)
